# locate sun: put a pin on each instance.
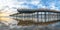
(5, 18)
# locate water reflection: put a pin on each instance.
(12, 25)
(55, 26)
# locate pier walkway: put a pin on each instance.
(42, 16)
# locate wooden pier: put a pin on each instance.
(37, 16)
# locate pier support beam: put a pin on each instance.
(37, 16)
(45, 16)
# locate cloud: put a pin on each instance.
(14, 4)
(11, 6)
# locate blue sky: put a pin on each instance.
(13, 5)
(51, 4)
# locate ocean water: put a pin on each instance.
(13, 26)
(55, 26)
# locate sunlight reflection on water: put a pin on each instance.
(13, 26)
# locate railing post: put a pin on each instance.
(32, 16)
(57, 16)
(23, 16)
(37, 17)
(41, 17)
(45, 16)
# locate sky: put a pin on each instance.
(13, 5)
